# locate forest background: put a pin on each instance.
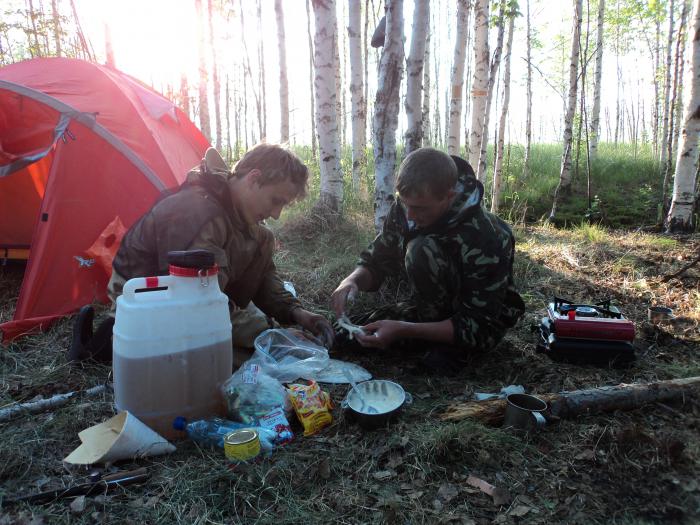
(246, 71)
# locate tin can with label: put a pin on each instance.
(242, 445)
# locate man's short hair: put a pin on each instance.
(426, 170)
(276, 163)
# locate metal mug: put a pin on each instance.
(659, 314)
(524, 412)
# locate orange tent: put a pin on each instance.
(84, 151)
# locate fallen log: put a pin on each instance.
(581, 402)
(44, 405)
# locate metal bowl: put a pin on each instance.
(377, 403)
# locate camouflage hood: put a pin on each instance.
(466, 203)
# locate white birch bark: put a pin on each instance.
(498, 168)
(680, 215)
(667, 87)
(493, 77)
(216, 84)
(284, 87)
(565, 172)
(326, 115)
(595, 114)
(311, 79)
(357, 92)
(528, 109)
(413, 139)
(386, 111)
(426, 92)
(481, 78)
(204, 122)
(457, 78)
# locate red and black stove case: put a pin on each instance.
(595, 334)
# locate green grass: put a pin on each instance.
(625, 186)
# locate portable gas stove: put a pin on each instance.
(586, 333)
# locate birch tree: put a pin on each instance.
(215, 77)
(326, 116)
(311, 78)
(426, 92)
(595, 114)
(528, 103)
(56, 27)
(481, 78)
(204, 122)
(565, 171)
(357, 91)
(680, 215)
(386, 111)
(493, 76)
(498, 167)
(284, 88)
(667, 87)
(413, 138)
(457, 78)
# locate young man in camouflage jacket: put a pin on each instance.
(458, 260)
(223, 212)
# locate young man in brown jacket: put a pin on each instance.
(223, 212)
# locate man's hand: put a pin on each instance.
(346, 291)
(316, 324)
(381, 334)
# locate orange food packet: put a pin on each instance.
(312, 406)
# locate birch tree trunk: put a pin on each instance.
(215, 77)
(284, 87)
(386, 111)
(311, 78)
(56, 27)
(565, 172)
(673, 113)
(185, 95)
(109, 48)
(481, 78)
(326, 115)
(528, 109)
(413, 138)
(357, 91)
(493, 77)
(262, 114)
(204, 122)
(667, 87)
(426, 92)
(497, 171)
(457, 78)
(595, 115)
(680, 215)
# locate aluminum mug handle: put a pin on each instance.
(344, 403)
(540, 421)
(408, 399)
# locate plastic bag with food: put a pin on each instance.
(250, 393)
(312, 406)
(287, 354)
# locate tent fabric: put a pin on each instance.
(83, 147)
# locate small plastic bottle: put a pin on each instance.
(208, 432)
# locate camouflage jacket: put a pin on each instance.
(201, 215)
(479, 248)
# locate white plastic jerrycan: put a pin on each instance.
(172, 344)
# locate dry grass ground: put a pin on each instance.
(627, 467)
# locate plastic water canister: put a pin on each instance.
(172, 344)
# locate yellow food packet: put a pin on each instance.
(312, 406)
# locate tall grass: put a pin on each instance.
(625, 185)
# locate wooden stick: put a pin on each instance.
(44, 405)
(688, 266)
(581, 402)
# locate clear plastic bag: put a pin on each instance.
(287, 355)
(250, 393)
